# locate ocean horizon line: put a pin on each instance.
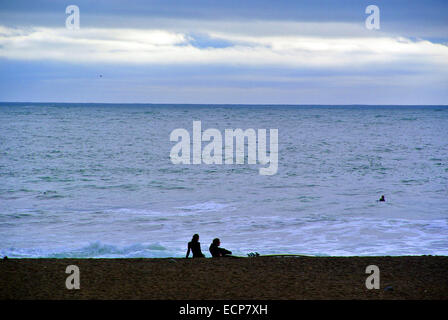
(224, 104)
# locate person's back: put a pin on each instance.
(195, 247)
(216, 251)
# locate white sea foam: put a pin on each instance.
(208, 206)
(92, 250)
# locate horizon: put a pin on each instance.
(228, 104)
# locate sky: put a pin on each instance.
(225, 52)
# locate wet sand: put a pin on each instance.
(261, 278)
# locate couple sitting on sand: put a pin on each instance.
(195, 246)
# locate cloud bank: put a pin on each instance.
(162, 47)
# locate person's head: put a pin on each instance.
(216, 242)
(195, 238)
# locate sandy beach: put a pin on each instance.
(269, 278)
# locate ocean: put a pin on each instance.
(96, 180)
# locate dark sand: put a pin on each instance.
(277, 278)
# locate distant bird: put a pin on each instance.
(382, 198)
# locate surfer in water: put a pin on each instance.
(195, 246)
(382, 198)
(216, 251)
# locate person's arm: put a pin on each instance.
(188, 251)
(223, 251)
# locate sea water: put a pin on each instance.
(96, 180)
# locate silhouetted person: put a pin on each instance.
(195, 246)
(382, 198)
(216, 251)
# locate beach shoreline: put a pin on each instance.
(258, 278)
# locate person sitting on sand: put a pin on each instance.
(195, 246)
(216, 251)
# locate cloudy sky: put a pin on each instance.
(207, 51)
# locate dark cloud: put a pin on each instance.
(407, 11)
